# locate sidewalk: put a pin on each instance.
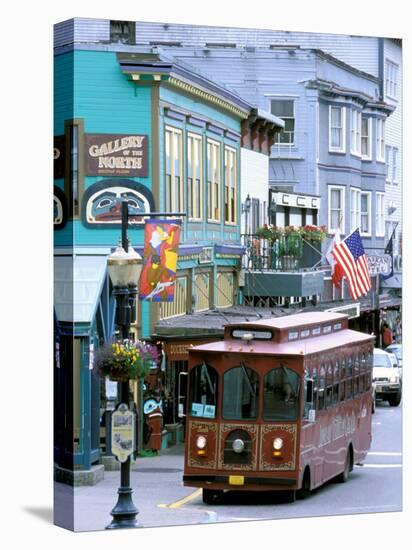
(156, 482)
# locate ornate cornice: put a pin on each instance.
(207, 96)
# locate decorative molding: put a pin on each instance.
(207, 96)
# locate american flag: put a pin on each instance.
(350, 256)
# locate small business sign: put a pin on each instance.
(205, 257)
(123, 432)
(379, 264)
(352, 310)
(116, 155)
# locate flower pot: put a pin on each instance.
(288, 263)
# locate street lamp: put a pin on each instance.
(124, 266)
(246, 210)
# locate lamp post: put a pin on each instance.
(124, 267)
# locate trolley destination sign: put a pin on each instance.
(116, 154)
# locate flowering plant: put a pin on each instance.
(124, 360)
(309, 232)
(313, 232)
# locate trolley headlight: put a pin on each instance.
(277, 443)
(238, 445)
(201, 442)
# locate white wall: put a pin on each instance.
(255, 183)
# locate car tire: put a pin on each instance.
(373, 405)
(394, 400)
(210, 496)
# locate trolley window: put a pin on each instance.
(203, 391)
(281, 394)
(240, 394)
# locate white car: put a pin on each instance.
(397, 350)
(386, 377)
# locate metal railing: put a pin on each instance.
(287, 253)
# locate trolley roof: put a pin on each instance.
(301, 334)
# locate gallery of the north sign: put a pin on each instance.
(116, 154)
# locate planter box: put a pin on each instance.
(278, 283)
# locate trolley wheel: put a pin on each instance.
(304, 491)
(211, 496)
(343, 477)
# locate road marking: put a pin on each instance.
(182, 501)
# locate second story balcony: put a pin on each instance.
(284, 262)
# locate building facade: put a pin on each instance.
(134, 124)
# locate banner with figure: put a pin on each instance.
(161, 244)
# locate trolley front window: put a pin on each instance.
(281, 394)
(203, 391)
(240, 394)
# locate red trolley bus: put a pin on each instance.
(279, 404)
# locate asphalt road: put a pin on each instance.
(162, 500)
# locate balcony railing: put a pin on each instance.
(287, 253)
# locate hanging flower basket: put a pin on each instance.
(124, 360)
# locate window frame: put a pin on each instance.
(356, 133)
(368, 155)
(341, 189)
(278, 134)
(197, 141)
(228, 152)
(218, 145)
(380, 140)
(355, 220)
(395, 165)
(368, 194)
(170, 205)
(334, 148)
(380, 224)
(391, 80)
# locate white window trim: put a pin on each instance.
(199, 138)
(369, 195)
(395, 82)
(395, 166)
(354, 223)
(219, 173)
(382, 232)
(356, 133)
(380, 138)
(388, 162)
(178, 131)
(275, 97)
(333, 149)
(368, 156)
(342, 189)
(235, 160)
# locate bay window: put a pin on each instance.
(213, 180)
(336, 208)
(380, 215)
(194, 177)
(230, 185)
(380, 140)
(355, 136)
(366, 136)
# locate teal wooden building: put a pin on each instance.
(131, 123)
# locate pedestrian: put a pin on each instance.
(387, 335)
(397, 330)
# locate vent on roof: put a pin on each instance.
(284, 46)
(165, 43)
(220, 45)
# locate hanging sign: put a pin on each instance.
(123, 432)
(379, 264)
(116, 154)
(161, 245)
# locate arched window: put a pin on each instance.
(281, 394)
(240, 393)
(203, 391)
